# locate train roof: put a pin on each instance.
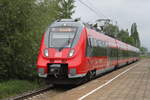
(67, 22)
(111, 41)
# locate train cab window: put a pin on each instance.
(62, 36)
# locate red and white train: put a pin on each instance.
(70, 53)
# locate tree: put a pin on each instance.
(111, 30)
(135, 35)
(22, 23)
(65, 9)
(143, 50)
(15, 16)
(130, 41)
(123, 35)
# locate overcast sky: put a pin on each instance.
(125, 12)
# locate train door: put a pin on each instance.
(108, 51)
(117, 52)
(89, 51)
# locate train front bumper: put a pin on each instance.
(59, 70)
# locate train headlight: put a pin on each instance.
(46, 52)
(71, 53)
(41, 72)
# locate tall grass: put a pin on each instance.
(15, 87)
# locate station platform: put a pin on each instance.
(132, 85)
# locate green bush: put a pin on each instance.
(21, 27)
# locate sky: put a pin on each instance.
(125, 12)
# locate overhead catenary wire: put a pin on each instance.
(94, 11)
(99, 11)
(107, 18)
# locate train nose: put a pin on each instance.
(64, 53)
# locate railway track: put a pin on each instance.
(31, 94)
(37, 94)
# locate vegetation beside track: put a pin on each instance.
(142, 57)
(15, 87)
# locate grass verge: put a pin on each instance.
(15, 87)
(144, 56)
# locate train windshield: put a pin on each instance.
(62, 37)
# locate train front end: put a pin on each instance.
(62, 52)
